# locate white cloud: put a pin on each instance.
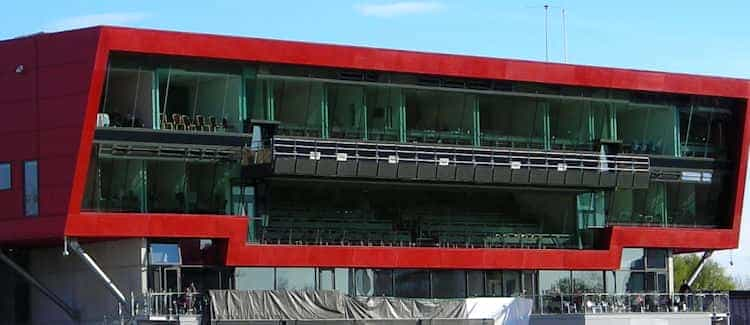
(113, 18)
(394, 9)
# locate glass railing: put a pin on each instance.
(169, 305)
(594, 303)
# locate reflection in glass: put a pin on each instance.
(164, 254)
(632, 259)
(554, 282)
(493, 283)
(295, 278)
(588, 281)
(325, 279)
(254, 278)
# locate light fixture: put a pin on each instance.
(19, 68)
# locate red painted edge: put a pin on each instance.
(234, 229)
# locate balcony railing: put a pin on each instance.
(442, 155)
(169, 305)
(715, 303)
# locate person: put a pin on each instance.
(685, 299)
(685, 288)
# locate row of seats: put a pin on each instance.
(295, 227)
(193, 123)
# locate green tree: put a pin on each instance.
(713, 277)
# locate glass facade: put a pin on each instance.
(161, 186)
(458, 283)
(5, 176)
(180, 94)
(319, 102)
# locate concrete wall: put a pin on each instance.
(68, 277)
(624, 319)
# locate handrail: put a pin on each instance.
(596, 303)
(446, 155)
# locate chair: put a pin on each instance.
(212, 123)
(165, 123)
(179, 123)
(199, 123)
(189, 125)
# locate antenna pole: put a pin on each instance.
(565, 36)
(546, 33)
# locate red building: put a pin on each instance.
(230, 162)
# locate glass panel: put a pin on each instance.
(198, 101)
(698, 204)
(118, 186)
(511, 121)
(511, 283)
(364, 282)
(610, 281)
(5, 176)
(295, 278)
(208, 186)
(254, 278)
(199, 252)
(438, 117)
(383, 117)
(707, 131)
(640, 206)
(647, 128)
(588, 281)
(629, 282)
(571, 127)
(164, 254)
(166, 187)
(383, 282)
(127, 99)
(346, 111)
(423, 215)
(656, 258)
(298, 106)
(554, 282)
(342, 280)
(30, 189)
(448, 284)
(475, 284)
(325, 279)
(494, 283)
(591, 210)
(661, 282)
(632, 259)
(412, 283)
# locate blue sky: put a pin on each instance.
(679, 36)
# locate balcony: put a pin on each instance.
(445, 163)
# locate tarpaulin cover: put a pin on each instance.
(332, 305)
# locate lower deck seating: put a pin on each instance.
(340, 227)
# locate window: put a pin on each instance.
(412, 283)
(165, 254)
(254, 278)
(31, 188)
(5, 176)
(295, 278)
(632, 259)
(448, 284)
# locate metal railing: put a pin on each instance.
(592, 303)
(445, 155)
(168, 305)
